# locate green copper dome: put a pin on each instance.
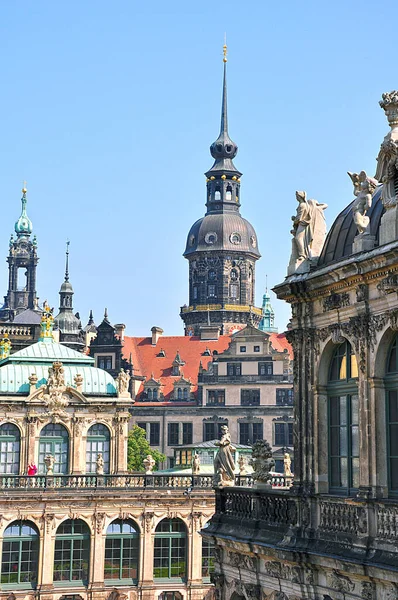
(24, 225)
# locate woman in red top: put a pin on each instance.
(32, 469)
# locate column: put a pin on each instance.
(46, 556)
(77, 447)
(146, 557)
(97, 555)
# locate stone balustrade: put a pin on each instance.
(128, 481)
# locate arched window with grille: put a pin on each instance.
(122, 552)
(10, 442)
(170, 550)
(391, 384)
(72, 552)
(343, 419)
(98, 441)
(19, 556)
(54, 440)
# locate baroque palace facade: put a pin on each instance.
(82, 528)
(334, 535)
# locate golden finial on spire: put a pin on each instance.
(224, 48)
(24, 190)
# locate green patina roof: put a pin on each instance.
(48, 351)
(37, 358)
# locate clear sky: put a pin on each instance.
(108, 110)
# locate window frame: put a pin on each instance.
(122, 537)
(85, 549)
(10, 447)
(20, 540)
(97, 439)
(171, 536)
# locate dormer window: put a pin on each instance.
(175, 370)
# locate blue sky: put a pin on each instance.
(108, 110)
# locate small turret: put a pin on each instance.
(23, 227)
(268, 315)
(69, 324)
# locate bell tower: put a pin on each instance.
(222, 246)
(22, 262)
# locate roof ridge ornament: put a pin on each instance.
(47, 323)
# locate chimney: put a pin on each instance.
(209, 332)
(119, 330)
(156, 334)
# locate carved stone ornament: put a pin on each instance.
(122, 384)
(389, 284)
(367, 592)
(340, 582)
(98, 520)
(362, 292)
(335, 301)
(148, 520)
(387, 160)
(48, 521)
(54, 397)
(262, 462)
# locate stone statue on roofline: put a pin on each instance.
(262, 463)
(364, 188)
(309, 232)
(122, 384)
(387, 170)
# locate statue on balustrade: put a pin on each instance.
(196, 464)
(262, 463)
(224, 464)
(99, 469)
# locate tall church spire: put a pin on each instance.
(223, 178)
(221, 247)
(68, 324)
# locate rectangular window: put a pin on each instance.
(392, 418)
(195, 293)
(142, 425)
(234, 291)
(250, 397)
(234, 369)
(171, 461)
(215, 398)
(212, 431)
(154, 434)
(250, 433)
(265, 368)
(256, 348)
(242, 349)
(343, 442)
(187, 430)
(244, 433)
(284, 397)
(280, 434)
(172, 430)
(211, 290)
(104, 362)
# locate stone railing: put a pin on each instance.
(133, 481)
(273, 508)
(213, 378)
(129, 481)
(370, 522)
(15, 330)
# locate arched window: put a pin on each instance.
(9, 448)
(207, 558)
(185, 393)
(122, 551)
(72, 552)
(170, 596)
(343, 421)
(149, 393)
(155, 393)
(170, 551)
(54, 440)
(20, 554)
(97, 442)
(179, 393)
(391, 383)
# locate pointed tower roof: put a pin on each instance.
(23, 227)
(223, 150)
(268, 315)
(66, 285)
(91, 326)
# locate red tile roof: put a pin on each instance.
(147, 363)
(280, 343)
(146, 360)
